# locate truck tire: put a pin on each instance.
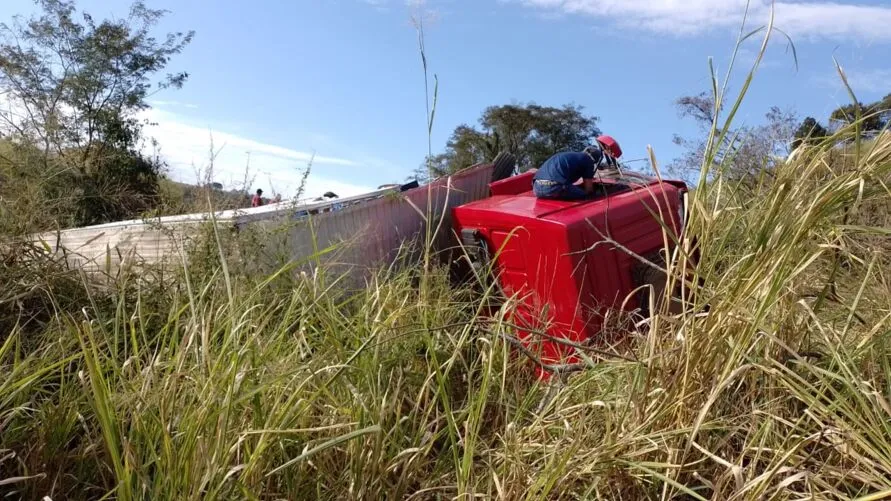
(505, 163)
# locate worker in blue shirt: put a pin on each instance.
(557, 176)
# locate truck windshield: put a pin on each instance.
(607, 189)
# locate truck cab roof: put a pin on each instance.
(513, 198)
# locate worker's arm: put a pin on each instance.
(589, 186)
(592, 161)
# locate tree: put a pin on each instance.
(810, 130)
(876, 116)
(701, 108)
(532, 133)
(745, 151)
(73, 88)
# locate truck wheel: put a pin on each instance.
(460, 272)
(505, 163)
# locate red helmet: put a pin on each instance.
(610, 145)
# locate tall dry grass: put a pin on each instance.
(291, 387)
(223, 385)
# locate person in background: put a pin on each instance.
(557, 176)
(277, 199)
(327, 197)
(257, 200)
(330, 195)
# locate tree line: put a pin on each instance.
(875, 116)
(532, 133)
(72, 150)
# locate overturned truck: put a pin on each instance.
(566, 265)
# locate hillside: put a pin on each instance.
(185, 198)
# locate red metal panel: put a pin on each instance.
(562, 263)
(513, 185)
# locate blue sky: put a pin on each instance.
(343, 79)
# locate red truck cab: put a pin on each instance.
(568, 264)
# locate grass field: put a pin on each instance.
(209, 383)
(290, 387)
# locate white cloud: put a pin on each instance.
(418, 8)
(876, 80)
(172, 104)
(817, 19)
(186, 147)
(380, 5)
(408, 3)
(868, 80)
